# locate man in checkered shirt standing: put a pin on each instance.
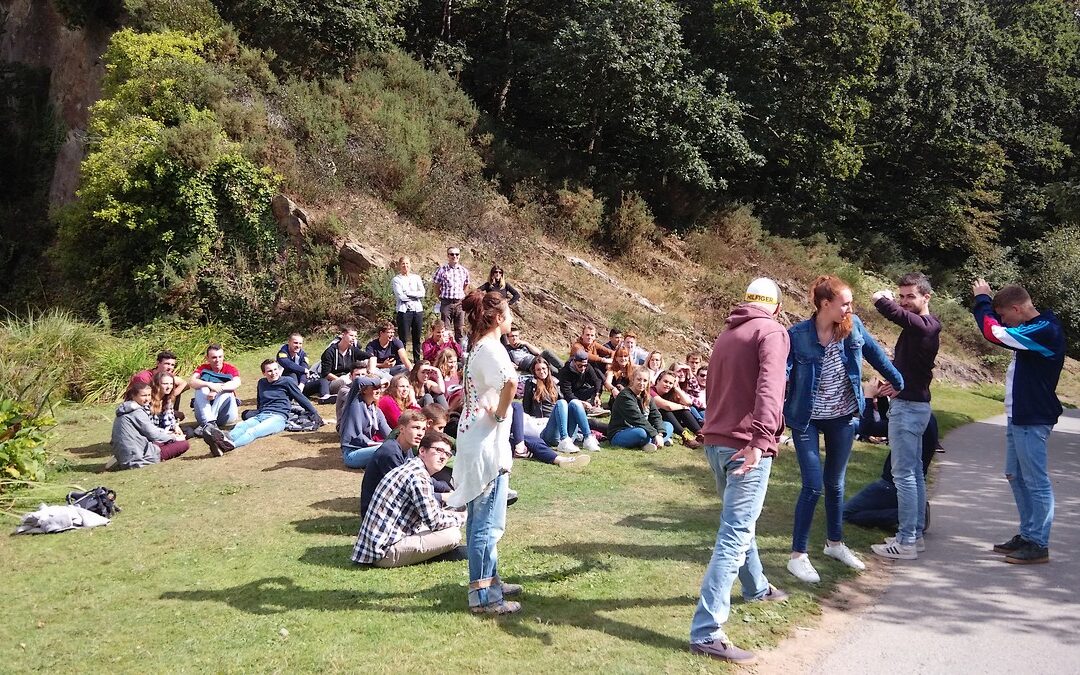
(404, 524)
(452, 279)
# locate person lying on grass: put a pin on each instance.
(275, 394)
(404, 524)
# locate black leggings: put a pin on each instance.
(681, 419)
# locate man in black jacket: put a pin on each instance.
(338, 359)
(578, 381)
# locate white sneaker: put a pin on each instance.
(649, 447)
(842, 553)
(895, 551)
(920, 543)
(802, 570)
(567, 445)
(591, 444)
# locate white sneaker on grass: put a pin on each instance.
(802, 570)
(649, 447)
(841, 552)
(920, 543)
(567, 445)
(591, 444)
(895, 551)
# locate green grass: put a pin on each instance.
(211, 559)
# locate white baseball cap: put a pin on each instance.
(763, 290)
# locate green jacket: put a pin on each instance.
(626, 413)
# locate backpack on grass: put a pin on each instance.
(100, 500)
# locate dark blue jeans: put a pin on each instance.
(839, 435)
(874, 506)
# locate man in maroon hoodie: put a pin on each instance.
(745, 391)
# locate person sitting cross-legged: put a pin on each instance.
(136, 441)
(215, 383)
(274, 395)
(389, 351)
(404, 523)
(635, 419)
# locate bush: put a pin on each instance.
(1052, 276)
(23, 434)
(579, 213)
(632, 225)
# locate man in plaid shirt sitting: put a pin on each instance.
(404, 524)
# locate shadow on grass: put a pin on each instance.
(276, 595)
(342, 504)
(327, 459)
(102, 450)
(329, 525)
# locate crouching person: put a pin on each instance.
(136, 441)
(404, 524)
(275, 396)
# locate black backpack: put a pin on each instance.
(100, 500)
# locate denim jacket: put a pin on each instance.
(804, 365)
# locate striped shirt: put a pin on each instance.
(403, 505)
(451, 281)
(834, 396)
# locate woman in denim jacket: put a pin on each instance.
(825, 397)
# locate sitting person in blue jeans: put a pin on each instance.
(635, 419)
(275, 396)
(362, 426)
(875, 505)
(564, 419)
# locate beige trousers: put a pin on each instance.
(420, 547)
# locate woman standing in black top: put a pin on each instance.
(497, 282)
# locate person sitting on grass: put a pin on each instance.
(404, 523)
(399, 398)
(440, 339)
(638, 355)
(136, 441)
(497, 282)
(295, 363)
(655, 364)
(392, 453)
(338, 359)
(698, 401)
(215, 383)
(599, 355)
(362, 425)
(565, 419)
(526, 442)
(579, 381)
(615, 338)
(524, 354)
(166, 363)
(427, 383)
(162, 406)
(448, 364)
(617, 377)
(635, 419)
(389, 351)
(674, 406)
(274, 397)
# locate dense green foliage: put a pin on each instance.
(23, 433)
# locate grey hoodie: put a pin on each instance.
(133, 437)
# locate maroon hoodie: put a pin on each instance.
(747, 377)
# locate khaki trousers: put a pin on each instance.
(420, 547)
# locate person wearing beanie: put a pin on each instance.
(745, 389)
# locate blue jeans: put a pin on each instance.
(536, 445)
(565, 420)
(839, 435)
(222, 410)
(907, 422)
(1025, 467)
(874, 506)
(635, 437)
(262, 424)
(736, 551)
(357, 457)
(483, 529)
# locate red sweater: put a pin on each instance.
(747, 376)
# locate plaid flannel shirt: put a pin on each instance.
(403, 505)
(451, 281)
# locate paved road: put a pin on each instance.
(960, 608)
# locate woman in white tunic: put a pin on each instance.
(483, 462)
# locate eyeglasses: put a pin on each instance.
(453, 255)
(445, 452)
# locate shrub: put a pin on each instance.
(579, 213)
(1052, 276)
(23, 434)
(632, 225)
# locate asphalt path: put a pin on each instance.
(960, 608)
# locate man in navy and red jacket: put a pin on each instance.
(1037, 341)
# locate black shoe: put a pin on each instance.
(926, 523)
(1011, 546)
(453, 555)
(511, 497)
(1029, 554)
(220, 438)
(215, 450)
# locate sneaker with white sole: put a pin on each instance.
(802, 570)
(920, 543)
(845, 555)
(649, 447)
(895, 551)
(567, 445)
(591, 444)
(578, 462)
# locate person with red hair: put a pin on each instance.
(825, 398)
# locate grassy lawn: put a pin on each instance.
(241, 564)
